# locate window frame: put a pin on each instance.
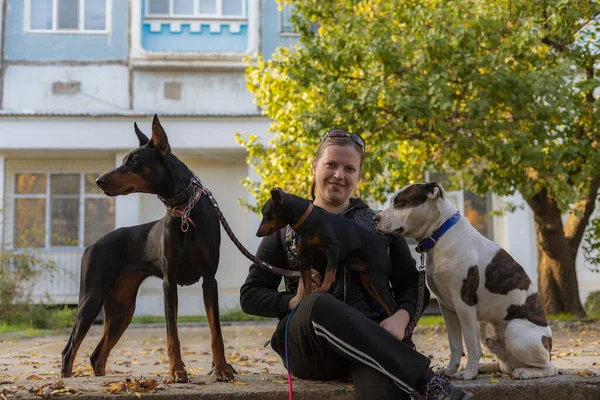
(47, 196)
(196, 15)
(283, 32)
(81, 21)
(459, 197)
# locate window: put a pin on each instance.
(196, 8)
(286, 14)
(472, 206)
(68, 16)
(60, 210)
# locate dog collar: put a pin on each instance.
(303, 217)
(426, 244)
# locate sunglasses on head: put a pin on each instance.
(341, 133)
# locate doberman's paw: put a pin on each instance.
(224, 373)
(179, 376)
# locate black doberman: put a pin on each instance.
(340, 240)
(113, 268)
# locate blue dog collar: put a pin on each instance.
(426, 244)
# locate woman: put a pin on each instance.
(344, 333)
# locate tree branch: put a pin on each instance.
(580, 215)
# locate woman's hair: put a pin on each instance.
(335, 141)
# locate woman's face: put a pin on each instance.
(336, 174)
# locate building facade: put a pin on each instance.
(76, 74)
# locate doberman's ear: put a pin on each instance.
(159, 137)
(435, 190)
(140, 135)
(277, 195)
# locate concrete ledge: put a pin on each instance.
(274, 387)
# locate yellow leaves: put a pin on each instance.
(238, 383)
(135, 386)
(587, 373)
(5, 393)
(494, 380)
(52, 389)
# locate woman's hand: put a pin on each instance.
(397, 323)
(316, 283)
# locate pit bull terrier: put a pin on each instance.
(476, 283)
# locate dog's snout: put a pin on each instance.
(377, 218)
(100, 181)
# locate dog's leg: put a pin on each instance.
(530, 345)
(304, 268)
(333, 258)
(455, 340)
(368, 283)
(468, 323)
(87, 311)
(222, 370)
(119, 306)
(177, 368)
(495, 343)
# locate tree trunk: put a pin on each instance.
(557, 279)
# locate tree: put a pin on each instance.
(500, 90)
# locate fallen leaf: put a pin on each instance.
(239, 383)
(494, 380)
(33, 378)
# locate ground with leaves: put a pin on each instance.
(139, 365)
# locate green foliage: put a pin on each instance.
(592, 304)
(500, 90)
(31, 319)
(19, 270)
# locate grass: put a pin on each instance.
(38, 320)
(45, 321)
(235, 314)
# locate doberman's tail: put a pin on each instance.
(276, 270)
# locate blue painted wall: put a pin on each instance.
(186, 41)
(66, 47)
(270, 29)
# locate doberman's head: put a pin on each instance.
(280, 210)
(145, 169)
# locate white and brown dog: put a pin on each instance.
(476, 283)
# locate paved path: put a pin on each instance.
(141, 352)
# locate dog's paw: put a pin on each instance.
(447, 372)
(465, 375)
(225, 373)
(178, 376)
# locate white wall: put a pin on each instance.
(204, 92)
(103, 88)
(83, 133)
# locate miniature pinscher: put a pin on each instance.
(340, 240)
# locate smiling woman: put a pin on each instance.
(344, 332)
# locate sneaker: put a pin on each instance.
(439, 388)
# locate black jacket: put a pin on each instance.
(259, 295)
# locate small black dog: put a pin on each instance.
(113, 268)
(340, 240)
